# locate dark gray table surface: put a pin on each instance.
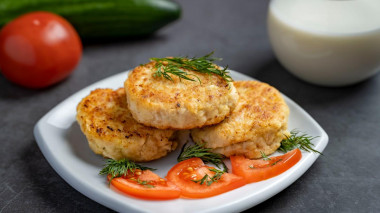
(345, 179)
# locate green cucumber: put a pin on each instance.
(100, 19)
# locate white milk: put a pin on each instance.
(327, 42)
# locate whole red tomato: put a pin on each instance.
(38, 49)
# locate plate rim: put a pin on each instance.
(108, 201)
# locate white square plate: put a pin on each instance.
(65, 147)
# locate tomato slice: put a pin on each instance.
(146, 185)
(258, 170)
(186, 172)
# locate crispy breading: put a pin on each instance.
(112, 132)
(178, 104)
(258, 123)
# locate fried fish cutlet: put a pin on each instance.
(178, 104)
(258, 123)
(112, 132)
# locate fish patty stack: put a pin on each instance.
(140, 122)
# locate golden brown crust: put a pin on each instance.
(258, 123)
(178, 104)
(112, 132)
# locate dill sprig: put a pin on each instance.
(198, 151)
(264, 156)
(143, 182)
(118, 168)
(276, 162)
(177, 66)
(297, 140)
(209, 180)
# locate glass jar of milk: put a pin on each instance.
(326, 42)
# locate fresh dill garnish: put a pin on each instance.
(209, 180)
(118, 168)
(198, 151)
(177, 66)
(264, 156)
(276, 162)
(143, 182)
(297, 140)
